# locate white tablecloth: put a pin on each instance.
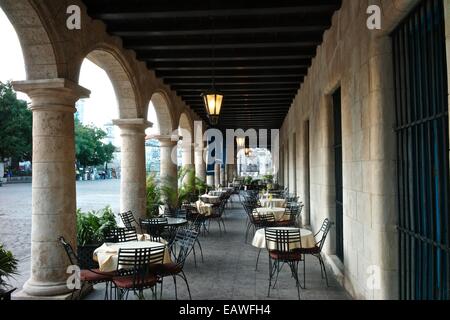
(308, 241)
(108, 254)
(278, 213)
(205, 209)
(277, 203)
(210, 199)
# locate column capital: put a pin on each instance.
(52, 94)
(167, 140)
(136, 124)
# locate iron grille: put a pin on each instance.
(423, 153)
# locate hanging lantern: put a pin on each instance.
(213, 105)
(240, 142)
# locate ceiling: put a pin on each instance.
(262, 49)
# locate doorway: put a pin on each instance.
(339, 187)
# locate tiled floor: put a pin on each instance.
(228, 271)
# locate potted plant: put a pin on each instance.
(92, 228)
(153, 194)
(189, 189)
(8, 268)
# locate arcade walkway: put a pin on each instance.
(228, 271)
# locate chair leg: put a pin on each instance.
(201, 250)
(247, 232)
(220, 227)
(294, 268)
(106, 290)
(195, 258)
(183, 276)
(270, 276)
(162, 283)
(324, 269)
(175, 284)
(304, 272)
(223, 222)
(257, 260)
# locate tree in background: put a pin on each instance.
(16, 134)
(15, 126)
(89, 148)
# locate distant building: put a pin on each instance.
(80, 106)
(152, 156)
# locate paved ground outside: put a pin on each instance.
(15, 215)
(228, 271)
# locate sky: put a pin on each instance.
(12, 66)
(101, 108)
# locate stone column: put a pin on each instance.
(217, 174)
(53, 187)
(231, 172)
(168, 168)
(200, 165)
(210, 180)
(133, 174)
(187, 158)
(222, 175)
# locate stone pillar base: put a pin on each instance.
(22, 295)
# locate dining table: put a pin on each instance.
(307, 239)
(278, 213)
(216, 193)
(107, 255)
(205, 209)
(206, 198)
(273, 202)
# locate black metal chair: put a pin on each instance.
(135, 269)
(128, 220)
(180, 249)
(263, 221)
(252, 222)
(87, 276)
(117, 235)
(156, 228)
(317, 250)
(197, 222)
(217, 215)
(283, 246)
(293, 212)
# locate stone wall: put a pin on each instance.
(359, 61)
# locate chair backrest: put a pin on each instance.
(128, 219)
(136, 262)
(155, 227)
(73, 258)
(121, 235)
(184, 242)
(264, 220)
(285, 240)
(323, 231)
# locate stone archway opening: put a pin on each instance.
(114, 98)
(163, 140)
(97, 112)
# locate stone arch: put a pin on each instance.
(37, 47)
(114, 66)
(185, 123)
(162, 107)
